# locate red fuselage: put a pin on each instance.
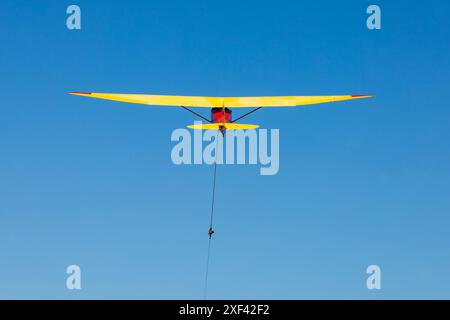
(220, 115)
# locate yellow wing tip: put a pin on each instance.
(76, 93)
(362, 96)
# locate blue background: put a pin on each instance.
(91, 182)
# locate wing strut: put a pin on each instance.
(197, 114)
(248, 113)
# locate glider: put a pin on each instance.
(220, 117)
(220, 106)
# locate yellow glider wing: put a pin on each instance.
(286, 101)
(156, 100)
(219, 102)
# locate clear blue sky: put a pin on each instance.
(91, 182)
